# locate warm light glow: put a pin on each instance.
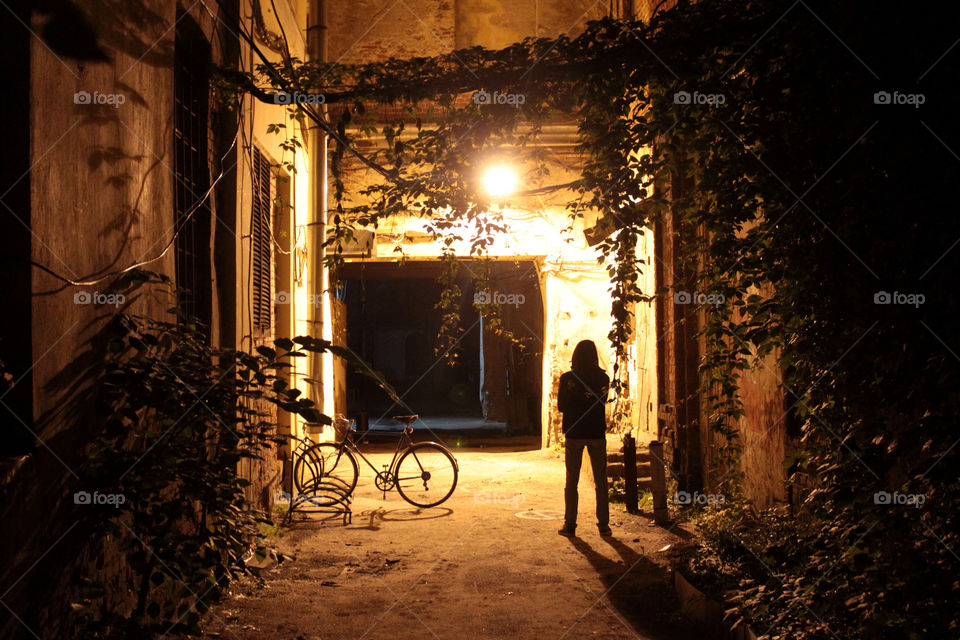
(500, 180)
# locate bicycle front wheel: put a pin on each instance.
(426, 474)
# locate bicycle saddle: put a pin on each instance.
(406, 419)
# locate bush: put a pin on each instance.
(180, 416)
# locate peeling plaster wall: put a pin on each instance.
(763, 432)
(432, 27)
(372, 30)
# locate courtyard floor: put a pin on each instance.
(488, 563)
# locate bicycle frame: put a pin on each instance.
(403, 444)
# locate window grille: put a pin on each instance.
(191, 172)
(260, 246)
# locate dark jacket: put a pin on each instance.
(582, 401)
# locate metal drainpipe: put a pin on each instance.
(316, 232)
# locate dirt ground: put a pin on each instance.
(488, 563)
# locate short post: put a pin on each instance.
(286, 480)
(658, 476)
(363, 423)
(630, 473)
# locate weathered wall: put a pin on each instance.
(398, 29)
(101, 199)
(763, 432)
(691, 446)
(433, 27)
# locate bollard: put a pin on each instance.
(630, 473)
(658, 476)
(286, 478)
(362, 422)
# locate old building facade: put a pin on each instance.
(123, 155)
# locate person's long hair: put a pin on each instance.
(585, 359)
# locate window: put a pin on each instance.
(191, 174)
(260, 234)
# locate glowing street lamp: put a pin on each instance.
(500, 181)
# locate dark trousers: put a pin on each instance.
(597, 450)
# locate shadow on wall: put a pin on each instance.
(48, 535)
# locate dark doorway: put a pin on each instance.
(393, 324)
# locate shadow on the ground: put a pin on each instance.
(640, 590)
(672, 527)
(372, 519)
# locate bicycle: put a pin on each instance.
(424, 473)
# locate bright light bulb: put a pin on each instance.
(500, 180)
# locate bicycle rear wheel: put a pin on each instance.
(426, 474)
(324, 470)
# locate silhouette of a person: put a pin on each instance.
(582, 401)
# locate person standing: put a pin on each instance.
(582, 401)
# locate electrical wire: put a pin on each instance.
(166, 249)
